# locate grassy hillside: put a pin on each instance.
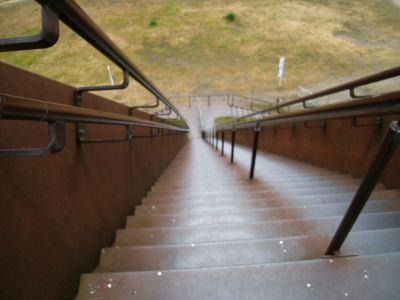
(187, 46)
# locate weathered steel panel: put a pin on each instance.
(56, 212)
(339, 146)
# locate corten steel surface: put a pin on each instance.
(57, 211)
(339, 146)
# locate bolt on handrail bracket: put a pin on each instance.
(47, 37)
(57, 136)
(389, 144)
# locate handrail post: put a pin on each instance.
(216, 140)
(254, 154)
(233, 143)
(385, 152)
(222, 141)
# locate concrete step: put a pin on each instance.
(141, 258)
(229, 172)
(192, 176)
(245, 181)
(236, 204)
(223, 190)
(256, 215)
(362, 277)
(256, 230)
(259, 186)
(211, 197)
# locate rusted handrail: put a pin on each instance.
(350, 86)
(19, 108)
(385, 104)
(56, 115)
(74, 17)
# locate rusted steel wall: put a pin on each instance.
(340, 146)
(56, 212)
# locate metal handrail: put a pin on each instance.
(207, 97)
(56, 115)
(350, 86)
(74, 17)
(371, 106)
(252, 100)
(19, 108)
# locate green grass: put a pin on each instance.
(230, 17)
(193, 49)
(177, 122)
(223, 120)
(153, 23)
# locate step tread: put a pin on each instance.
(249, 185)
(261, 202)
(248, 205)
(203, 255)
(255, 230)
(272, 190)
(278, 213)
(371, 277)
(211, 195)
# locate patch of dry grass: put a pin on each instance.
(193, 49)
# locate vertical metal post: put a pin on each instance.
(254, 154)
(385, 152)
(233, 143)
(212, 138)
(216, 140)
(222, 141)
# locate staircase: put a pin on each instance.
(205, 231)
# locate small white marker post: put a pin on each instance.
(110, 76)
(281, 67)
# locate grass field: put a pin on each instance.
(188, 47)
